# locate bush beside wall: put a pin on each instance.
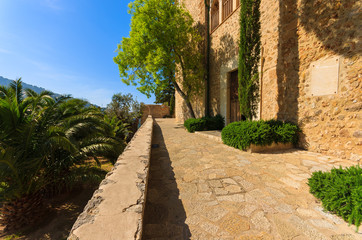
(195, 124)
(214, 123)
(242, 134)
(340, 191)
(205, 123)
(284, 132)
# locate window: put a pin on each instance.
(237, 3)
(227, 8)
(214, 15)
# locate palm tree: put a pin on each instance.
(41, 140)
(24, 146)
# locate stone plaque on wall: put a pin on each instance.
(325, 76)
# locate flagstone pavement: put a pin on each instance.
(202, 189)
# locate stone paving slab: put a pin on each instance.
(202, 189)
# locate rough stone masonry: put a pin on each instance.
(116, 208)
(297, 35)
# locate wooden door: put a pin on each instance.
(234, 99)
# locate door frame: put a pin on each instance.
(229, 99)
(225, 74)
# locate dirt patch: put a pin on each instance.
(64, 210)
(105, 164)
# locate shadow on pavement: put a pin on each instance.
(164, 212)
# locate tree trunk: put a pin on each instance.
(178, 89)
(185, 98)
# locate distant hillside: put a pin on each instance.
(6, 82)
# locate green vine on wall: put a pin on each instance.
(249, 56)
(207, 63)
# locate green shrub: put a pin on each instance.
(195, 124)
(205, 123)
(340, 191)
(241, 134)
(214, 123)
(284, 132)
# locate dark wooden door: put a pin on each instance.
(234, 99)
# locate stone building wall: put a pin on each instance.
(269, 18)
(332, 124)
(197, 10)
(297, 35)
(224, 59)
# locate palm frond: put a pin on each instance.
(30, 93)
(17, 87)
(4, 91)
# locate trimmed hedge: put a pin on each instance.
(195, 124)
(340, 191)
(241, 134)
(284, 132)
(214, 123)
(205, 123)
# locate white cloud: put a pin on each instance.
(40, 65)
(99, 96)
(5, 51)
(77, 86)
(53, 4)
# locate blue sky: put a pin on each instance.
(66, 46)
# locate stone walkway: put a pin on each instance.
(202, 189)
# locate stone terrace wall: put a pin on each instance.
(116, 208)
(156, 111)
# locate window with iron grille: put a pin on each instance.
(215, 15)
(227, 8)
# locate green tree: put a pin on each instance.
(249, 56)
(162, 41)
(124, 107)
(165, 93)
(128, 111)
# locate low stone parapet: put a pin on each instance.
(116, 208)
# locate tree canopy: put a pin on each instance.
(162, 40)
(126, 112)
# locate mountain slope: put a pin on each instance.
(6, 82)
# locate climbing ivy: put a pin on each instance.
(249, 56)
(207, 63)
